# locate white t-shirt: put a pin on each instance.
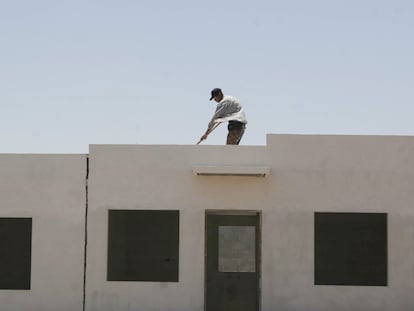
(228, 109)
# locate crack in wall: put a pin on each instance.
(86, 235)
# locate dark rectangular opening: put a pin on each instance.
(351, 249)
(15, 253)
(143, 245)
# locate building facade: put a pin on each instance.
(307, 222)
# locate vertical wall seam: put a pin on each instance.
(86, 234)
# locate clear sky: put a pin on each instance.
(74, 73)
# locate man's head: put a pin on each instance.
(216, 94)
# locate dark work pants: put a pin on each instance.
(236, 131)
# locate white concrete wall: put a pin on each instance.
(308, 174)
(51, 190)
(336, 174)
(161, 177)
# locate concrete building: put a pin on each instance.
(307, 222)
(42, 225)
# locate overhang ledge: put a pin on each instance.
(209, 170)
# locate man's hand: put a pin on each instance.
(204, 137)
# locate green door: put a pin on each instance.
(232, 261)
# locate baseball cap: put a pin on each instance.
(215, 92)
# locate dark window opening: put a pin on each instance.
(143, 245)
(351, 249)
(15, 253)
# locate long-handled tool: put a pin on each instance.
(212, 129)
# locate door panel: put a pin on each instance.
(232, 261)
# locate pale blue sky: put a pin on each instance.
(74, 73)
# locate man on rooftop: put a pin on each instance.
(228, 109)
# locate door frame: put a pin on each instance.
(234, 212)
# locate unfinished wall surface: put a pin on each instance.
(50, 191)
(324, 205)
(161, 178)
(363, 174)
(308, 175)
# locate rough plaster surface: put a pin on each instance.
(51, 190)
(308, 173)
